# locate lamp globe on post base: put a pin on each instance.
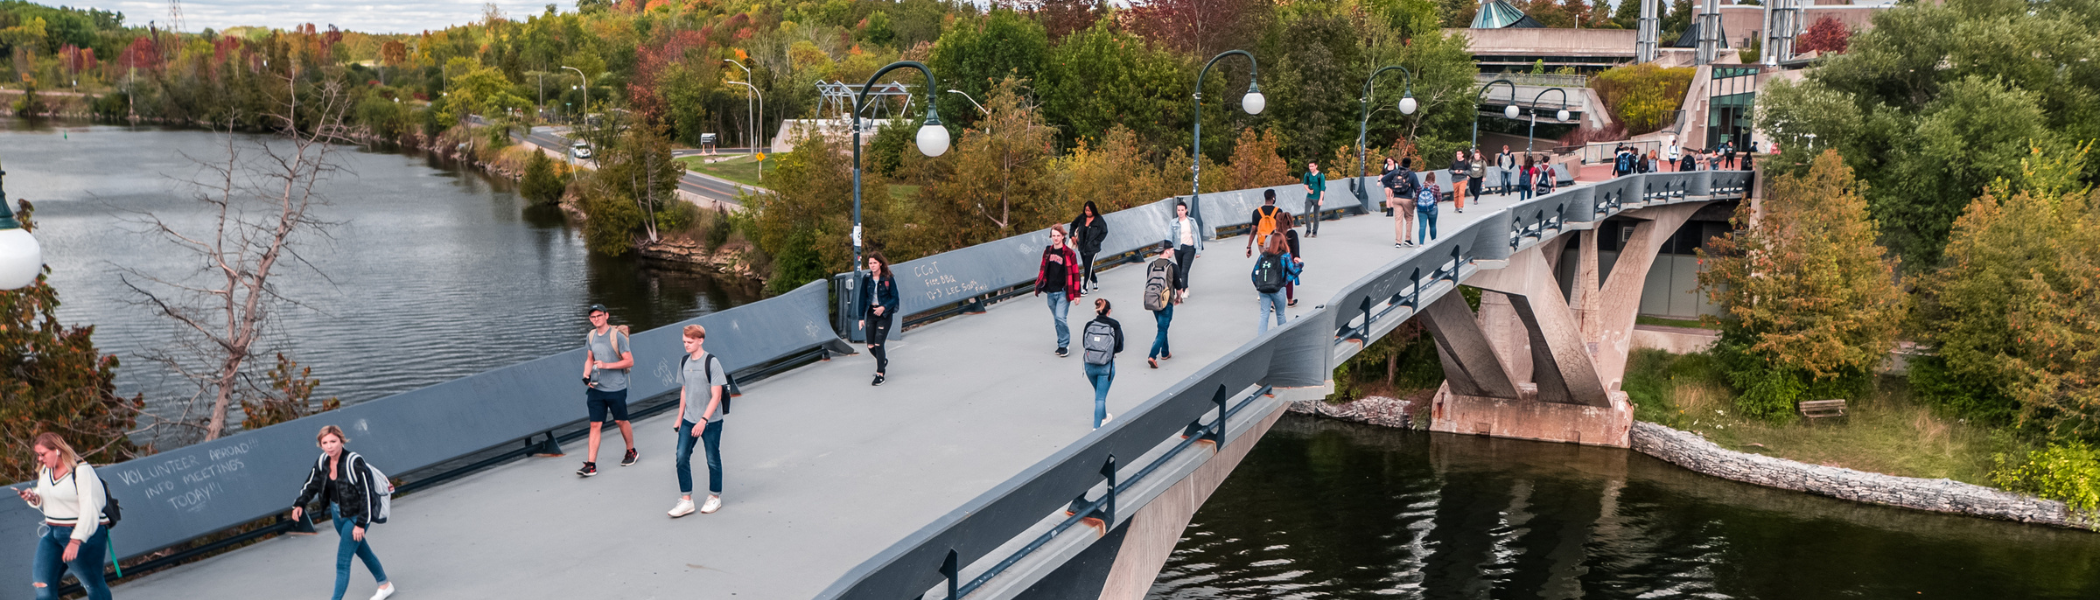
(1562, 115)
(1253, 102)
(1407, 105)
(1510, 112)
(933, 137)
(21, 257)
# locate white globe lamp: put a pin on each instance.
(1407, 105)
(1510, 111)
(1253, 102)
(21, 258)
(933, 137)
(1562, 115)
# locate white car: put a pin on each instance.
(580, 149)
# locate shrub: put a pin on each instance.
(678, 216)
(1643, 96)
(542, 184)
(2068, 471)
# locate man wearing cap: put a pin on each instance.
(606, 360)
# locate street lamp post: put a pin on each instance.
(932, 141)
(1363, 126)
(1561, 116)
(1507, 112)
(757, 127)
(586, 87)
(21, 258)
(748, 141)
(1252, 103)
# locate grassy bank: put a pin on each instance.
(742, 170)
(1886, 431)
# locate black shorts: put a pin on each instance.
(599, 403)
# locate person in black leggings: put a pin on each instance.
(878, 301)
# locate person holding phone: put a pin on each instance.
(75, 534)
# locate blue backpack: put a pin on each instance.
(1426, 196)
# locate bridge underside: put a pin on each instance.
(1543, 362)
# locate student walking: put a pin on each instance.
(1187, 240)
(1103, 340)
(878, 302)
(1275, 268)
(1400, 186)
(1478, 174)
(1547, 181)
(341, 480)
(1425, 208)
(607, 359)
(1525, 175)
(1265, 221)
(701, 403)
(1508, 163)
(75, 534)
(1459, 168)
(1088, 231)
(1290, 242)
(1058, 276)
(1315, 191)
(1159, 298)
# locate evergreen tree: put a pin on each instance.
(53, 379)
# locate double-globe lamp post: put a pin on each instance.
(1252, 103)
(1561, 116)
(1407, 107)
(21, 258)
(1508, 112)
(932, 141)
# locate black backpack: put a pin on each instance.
(709, 368)
(1625, 163)
(1268, 273)
(110, 509)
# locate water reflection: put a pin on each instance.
(1322, 509)
(435, 272)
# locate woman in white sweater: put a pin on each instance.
(75, 536)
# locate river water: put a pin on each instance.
(1325, 509)
(432, 272)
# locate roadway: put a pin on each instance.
(712, 188)
(823, 471)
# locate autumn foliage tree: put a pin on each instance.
(2011, 318)
(996, 181)
(1113, 172)
(52, 378)
(1809, 300)
(1255, 162)
(1826, 35)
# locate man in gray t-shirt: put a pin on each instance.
(702, 400)
(606, 360)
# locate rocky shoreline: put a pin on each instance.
(1699, 455)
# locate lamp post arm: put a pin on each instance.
(1196, 150)
(1535, 113)
(860, 100)
(1482, 92)
(1363, 125)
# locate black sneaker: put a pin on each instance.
(632, 457)
(589, 469)
(878, 380)
(1061, 352)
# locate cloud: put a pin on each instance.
(369, 17)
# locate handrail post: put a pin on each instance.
(1108, 517)
(1217, 432)
(953, 572)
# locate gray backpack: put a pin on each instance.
(1099, 341)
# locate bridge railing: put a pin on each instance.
(198, 490)
(956, 552)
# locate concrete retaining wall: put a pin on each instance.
(1937, 495)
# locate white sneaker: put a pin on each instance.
(684, 507)
(1106, 417)
(384, 592)
(714, 503)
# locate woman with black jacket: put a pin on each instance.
(341, 481)
(1089, 229)
(1101, 370)
(878, 301)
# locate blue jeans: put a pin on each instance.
(347, 546)
(1524, 190)
(1164, 317)
(86, 565)
(1425, 223)
(1100, 376)
(1505, 181)
(1264, 304)
(1059, 306)
(711, 437)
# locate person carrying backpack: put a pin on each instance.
(75, 534)
(1264, 220)
(1102, 339)
(1186, 238)
(1525, 175)
(1547, 180)
(1478, 175)
(1315, 190)
(1425, 208)
(1159, 298)
(1272, 271)
(1089, 229)
(342, 481)
(1058, 276)
(1400, 186)
(607, 357)
(1507, 163)
(1623, 164)
(702, 400)
(1290, 242)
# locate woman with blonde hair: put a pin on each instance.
(342, 481)
(75, 533)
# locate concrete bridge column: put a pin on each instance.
(1618, 300)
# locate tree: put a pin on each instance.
(996, 182)
(1827, 35)
(1255, 162)
(1200, 27)
(289, 396)
(264, 200)
(1114, 173)
(52, 378)
(1809, 301)
(635, 180)
(973, 57)
(543, 182)
(1099, 79)
(2010, 319)
(806, 224)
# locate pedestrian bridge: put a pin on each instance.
(974, 472)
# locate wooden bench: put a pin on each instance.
(1816, 409)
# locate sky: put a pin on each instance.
(385, 16)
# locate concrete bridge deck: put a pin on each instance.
(823, 471)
